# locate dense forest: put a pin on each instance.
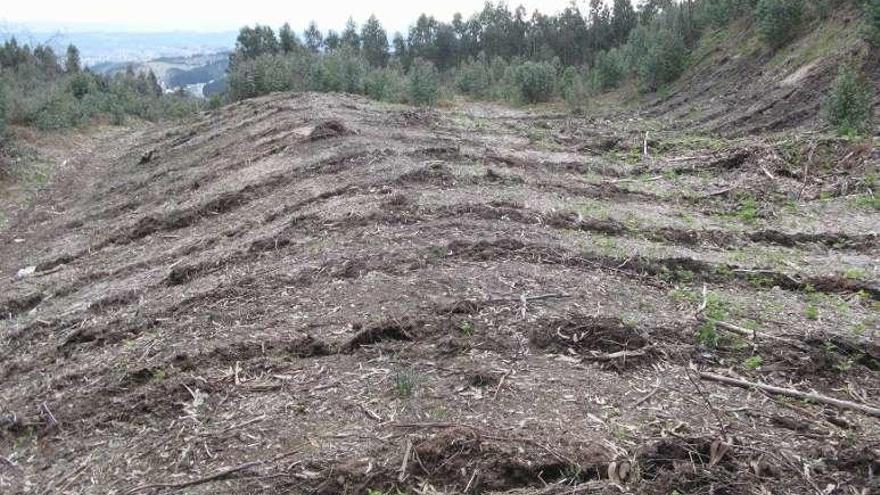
(504, 54)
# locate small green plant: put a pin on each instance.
(572, 475)
(724, 271)
(405, 382)
(159, 375)
(869, 201)
(748, 210)
(439, 251)
(466, 328)
(753, 362)
(849, 105)
(707, 335)
(811, 312)
(759, 281)
(855, 274)
(716, 308)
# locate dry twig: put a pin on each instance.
(788, 392)
(198, 481)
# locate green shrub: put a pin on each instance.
(344, 71)
(385, 84)
(575, 89)
(719, 13)
(82, 84)
(2, 111)
(849, 106)
(423, 85)
(473, 78)
(55, 110)
(534, 82)
(663, 60)
(215, 102)
(872, 11)
(608, 69)
(779, 20)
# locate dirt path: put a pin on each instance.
(321, 294)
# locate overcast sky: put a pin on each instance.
(222, 15)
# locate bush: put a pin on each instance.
(2, 111)
(423, 82)
(55, 110)
(849, 106)
(534, 82)
(719, 13)
(385, 84)
(872, 10)
(664, 60)
(473, 78)
(575, 89)
(344, 71)
(779, 20)
(608, 69)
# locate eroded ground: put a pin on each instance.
(321, 294)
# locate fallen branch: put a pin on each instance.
(617, 355)
(620, 181)
(645, 398)
(719, 193)
(402, 476)
(501, 384)
(842, 404)
(198, 481)
(528, 298)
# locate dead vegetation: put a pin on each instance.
(320, 294)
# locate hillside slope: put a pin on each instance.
(737, 86)
(321, 294)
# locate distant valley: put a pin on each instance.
(201, 75)
(194, 61)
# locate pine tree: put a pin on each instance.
(779, 20)
(256, 41)
(849, 106)
(2, 110)
(374, 41)
(314, 38)
(350, 37)
(332, 41)
(423, 82)
(401, 52)
(73, 63)
(287, 39)
(46, 58)
(623, 20)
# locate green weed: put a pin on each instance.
(753, 362)
(405, 382)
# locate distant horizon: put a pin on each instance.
(95, 16)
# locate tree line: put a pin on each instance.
(505, 54)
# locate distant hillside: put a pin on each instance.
(190, 72)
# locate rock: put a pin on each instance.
(25, 272)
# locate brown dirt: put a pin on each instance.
(322, 294)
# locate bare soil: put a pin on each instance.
(323, 294)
